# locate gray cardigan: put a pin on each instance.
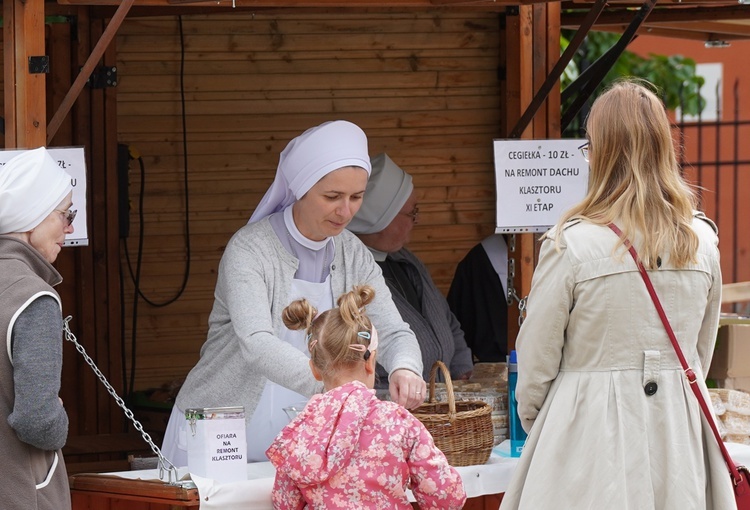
(243, 348)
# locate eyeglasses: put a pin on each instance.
(69, 215)
(585, 150)
(414, 214)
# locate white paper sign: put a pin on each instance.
(536, 181)
(73, 161)
(217, 444)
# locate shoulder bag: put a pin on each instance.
(738, 474)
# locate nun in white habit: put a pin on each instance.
(384, 224)
(35, 217)
(294, 246)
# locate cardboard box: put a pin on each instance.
(732, 355)
(734, 383)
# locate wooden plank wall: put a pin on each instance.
(423, 85)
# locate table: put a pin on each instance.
(141, 490)
(111, 492)
(103, 492)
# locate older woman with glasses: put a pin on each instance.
(295, 246)
(35, 217)
(384, 224)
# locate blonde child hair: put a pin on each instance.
(337, 338)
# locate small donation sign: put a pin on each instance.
(216, 443)
(536, 181)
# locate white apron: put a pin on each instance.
(269, 417)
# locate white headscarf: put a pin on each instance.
(32, 184)
(387, 191)
(310, 157)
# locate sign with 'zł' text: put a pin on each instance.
(536, 181)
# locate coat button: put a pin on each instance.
(650, 388)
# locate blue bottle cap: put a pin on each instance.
(513, 357)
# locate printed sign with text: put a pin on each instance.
(536, 181)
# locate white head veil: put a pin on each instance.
(387, 191)
(310, 157)
(32, 184)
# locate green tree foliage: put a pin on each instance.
(675, 76)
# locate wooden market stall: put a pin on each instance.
(182, 107)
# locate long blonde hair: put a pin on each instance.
(330, 334)
(634, 176)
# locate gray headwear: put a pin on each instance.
(387, 191)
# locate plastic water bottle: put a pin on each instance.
(517, 434)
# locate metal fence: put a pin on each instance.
(716, 157)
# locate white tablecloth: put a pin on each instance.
(255, 493)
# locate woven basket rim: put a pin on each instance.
(481, 409)
(452, 414)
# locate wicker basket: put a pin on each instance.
(462, 430)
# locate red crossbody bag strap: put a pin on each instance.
(736, 477)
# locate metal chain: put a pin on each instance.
(165, 466)
(511, 294)
(522, 310)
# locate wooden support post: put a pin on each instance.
(533, 47)
(519, 92)
(25, 104)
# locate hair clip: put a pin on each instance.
(312, 343)
(373, 338)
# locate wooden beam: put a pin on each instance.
(519, 24)
(735, 292)
(23, 36)
(88, 67)
(492, 5)
(666, 4)
(553, 74)
(674, 32)
(716, 28)
(660, 15)
(553, 49)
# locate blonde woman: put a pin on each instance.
(611, 419)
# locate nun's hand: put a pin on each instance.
(407, 388)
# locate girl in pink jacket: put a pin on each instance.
(347, 449)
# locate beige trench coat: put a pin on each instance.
(590, 344)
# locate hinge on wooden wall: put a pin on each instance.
(103, 77)
(39, 64)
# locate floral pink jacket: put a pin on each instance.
(348, 449)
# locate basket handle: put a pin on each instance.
(448, 387)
